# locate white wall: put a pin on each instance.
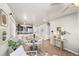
(43, 31)
(4, 47)
(68, 23)
(35, 28)
(12, 27)
(5, 7)
(78, 31)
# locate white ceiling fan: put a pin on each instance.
(66, 5)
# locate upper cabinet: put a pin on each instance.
(24, 29)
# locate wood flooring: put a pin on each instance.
(54, 51)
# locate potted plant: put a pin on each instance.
(12, 44)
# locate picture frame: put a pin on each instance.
(3, 18)
(3, 35)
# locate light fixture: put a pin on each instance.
(25, 16)
(10, 13)
(24, 22)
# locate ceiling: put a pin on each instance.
(38, 13)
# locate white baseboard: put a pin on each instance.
(76, 53)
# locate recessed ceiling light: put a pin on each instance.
(25, 17)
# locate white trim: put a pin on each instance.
(76, 53)
(12, 19)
